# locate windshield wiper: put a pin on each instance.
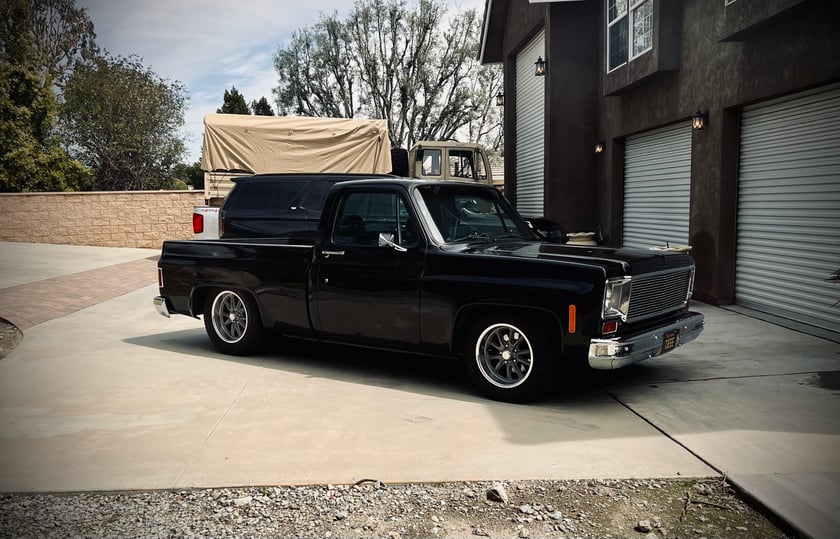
(509, 235)
(474, 235)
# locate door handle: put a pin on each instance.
(327, 254)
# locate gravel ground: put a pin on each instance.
(10, 337)
(369, 509)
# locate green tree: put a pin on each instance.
(122, 120)
(31, 157)
(234, 103)
(415, 66)
(63, 36)
(261, 107)
(190, 174)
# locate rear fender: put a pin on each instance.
(202, 294)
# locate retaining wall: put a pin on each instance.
(108, 219)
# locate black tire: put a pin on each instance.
(399, 162)
(509, 358)
(233, 323)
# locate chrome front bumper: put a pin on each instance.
(160, 305)
(606, 354)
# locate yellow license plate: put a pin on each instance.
(669, 340)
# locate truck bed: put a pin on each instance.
(275, 269)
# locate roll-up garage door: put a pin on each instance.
(789, 208)
(530, 130)
(657, 187)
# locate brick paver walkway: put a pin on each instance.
(30, 304)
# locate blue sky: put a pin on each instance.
(211, 45)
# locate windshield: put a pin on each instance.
(463, 213)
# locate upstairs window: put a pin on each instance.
(629, 30)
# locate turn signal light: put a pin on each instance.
(198, 223)
(609, 327)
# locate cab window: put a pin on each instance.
(461, 164)
(364, 215)
(431, 162)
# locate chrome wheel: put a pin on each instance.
(230, 317)
(504, 356)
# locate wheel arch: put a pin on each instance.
(202, 294)
(469, 314)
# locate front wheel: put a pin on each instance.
(233, 322)
(509, 359)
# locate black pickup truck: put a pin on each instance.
(437, 268)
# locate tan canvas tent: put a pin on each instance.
(262, 144)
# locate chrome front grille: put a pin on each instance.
(652, 294)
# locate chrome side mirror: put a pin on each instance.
(387, 240)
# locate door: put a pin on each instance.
(368, 292)
(530, 131)
(789, 208)
(657, 187)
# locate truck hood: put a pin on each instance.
(615, 261)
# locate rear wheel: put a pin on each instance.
(509, 358)
(233, 322)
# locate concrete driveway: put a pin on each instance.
(104, 394)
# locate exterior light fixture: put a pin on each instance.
(539, 67)
(500, 99)
(700, 119)
(599, 146)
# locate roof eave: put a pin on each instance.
(490, 53)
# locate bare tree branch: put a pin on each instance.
(415, 66)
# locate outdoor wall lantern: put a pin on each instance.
(539, 67)
(599, 146)
(700, 119)
(500, 99)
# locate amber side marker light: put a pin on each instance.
(572, 318)
(609, 327)
(160, 277)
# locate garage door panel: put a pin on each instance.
(798, 126)
(777, 115)
(529, 162)
(788, 240)
(654, 216)
(821, 177)
(656, 197)
(769, 225)
(780, 164)
(664, 176)
(804, 296)
(657, 185)
(794, 261)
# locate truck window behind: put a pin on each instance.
(363, 216)
(461, 164)
(480, 168)
(267, 196)
(431, 162)
(315, 197)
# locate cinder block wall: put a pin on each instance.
(107, 219)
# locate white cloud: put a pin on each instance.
(211, 45)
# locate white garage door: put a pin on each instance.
(657, 187)
(530, 130)
(789, 208)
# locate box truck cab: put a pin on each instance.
(448, 160)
